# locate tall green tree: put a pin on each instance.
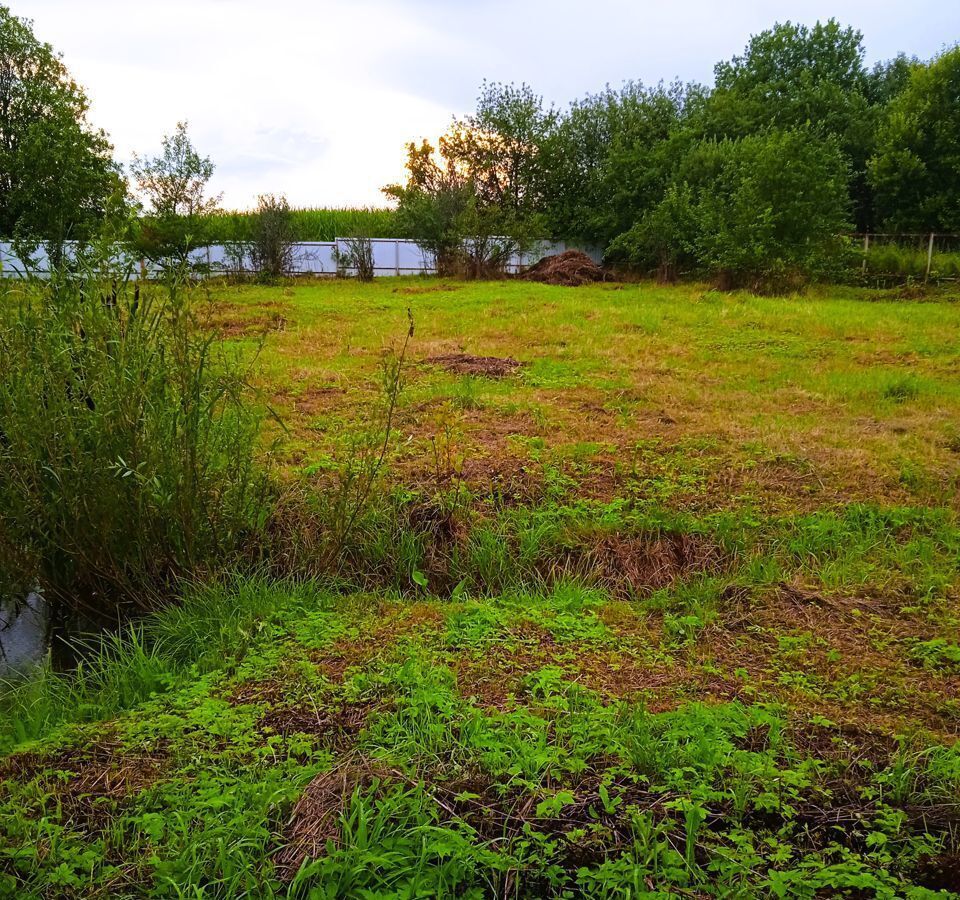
(794, 76)
(915, 172)
(498, 148)
(432, 205)
(771, 208)
(611, 157)
(174, 185)
(477, 197)
(58, 180)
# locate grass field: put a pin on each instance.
(658, 598)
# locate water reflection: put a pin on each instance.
(24, 634)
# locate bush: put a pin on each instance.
(126, 447)
(764, 212)
(355, 255)
(770, 209)
(272, 247)
(663, 239)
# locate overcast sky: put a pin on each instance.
(316, 98)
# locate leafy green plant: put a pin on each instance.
(128, 445)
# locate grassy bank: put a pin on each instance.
(287, 741)
(655, 594)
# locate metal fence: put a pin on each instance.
(391, 257)
(901, 255)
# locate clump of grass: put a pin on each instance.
(901, 390)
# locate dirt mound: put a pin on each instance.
(571, 268)
(465, 364)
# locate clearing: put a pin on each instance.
(665, 604)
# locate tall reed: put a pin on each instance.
(128, 450)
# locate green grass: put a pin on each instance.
(318, 743)
(671, 611)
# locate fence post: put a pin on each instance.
(866, 250)
(396, 256)
(926, 277)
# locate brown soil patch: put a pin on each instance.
(312, 400)
(335, 726)
(427, 289)
(571, 268)
(636, 565)
(941, 873)
(849, 744)
(88, 784)
(230, 325)
(858, 640)
(661, 687)
(466, 364)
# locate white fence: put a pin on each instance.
(391, 257)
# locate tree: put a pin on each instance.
(174, 185)
(887, 80)
(665, 238)
(498, 148)
(610, 158)
(770, 208)
(58, 180)
(477, 198)
(792, 76)
(431, 206)
(915, 172)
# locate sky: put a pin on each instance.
(316, 99)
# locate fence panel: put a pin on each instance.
(391, 257)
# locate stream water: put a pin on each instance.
(24, 634)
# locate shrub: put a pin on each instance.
(663, 239)
(770, 209)
(126, 450)
(355, 255)
(272, 247)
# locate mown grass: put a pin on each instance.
(839, 395)
(671, 611)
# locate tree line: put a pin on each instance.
(753, 181)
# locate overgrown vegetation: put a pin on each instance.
(127, 443)
(594, 623)
(632, 590)
(358, 746)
